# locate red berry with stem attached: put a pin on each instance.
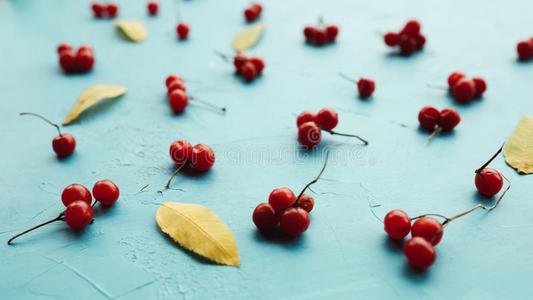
(98, 9)
(309, 134)
(202, 157)
(171, 78)
(481, 86)
(366, 87)
(327, 118)
(332, 31)
(281, 198)
(391, 39)
(176, 85)
(112, 10)
(454, 78)
(304, 117)
(250, 14)
(449, 118)
(178, 101)
(78, 214)
(259, 64)
(307, 202)
(464, 90)
(265, 217)
(524, 50)
(411, 28)
(180, 152)
(419, 253)
(248, 71)
(64, 145)
(67, 61)
(294, 221)
(75, 192)
(182, 29)
(397, 224)
(106, 192)
(428, 117)
(488, 182)
(153, 8)
(429, 229)
(238, 61)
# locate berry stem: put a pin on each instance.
(58, 218)
(490, 160)
(314, 180)
(348, 78)
(435, 132)
(225, 57)
(42, 118)
(222, 109)
(167, 186)
(437, 87)
(345, 134)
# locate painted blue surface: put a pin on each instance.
(344, 254)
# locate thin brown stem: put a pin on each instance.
(435, 132)
(42, 118)
(58, 218)
(167, 186)
(437, 87)
(225, 57)
(347, 135)
(348, 78)
(490, 160)
(222, 109)
(314, 180)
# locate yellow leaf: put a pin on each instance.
(133, 30)
(247, 38)
(198, 229)
(518, 150)
(90, 97)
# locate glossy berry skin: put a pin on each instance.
(98, 9)
(253, 12)
(366, 87)
(332, 31)
(259, 64)
(391, 39)
(202, 157)
(419, 253)
(238, 61)
(153, 8)
(307, 202)
(304, 117)
(449, 119)
(106, 192)
(178, 101)
(464, 90)
(309, 33)
(75, 192)
(67, 61)
(78, 215)
(172, 78)
(112, 10)
(176, 85)
(182, 29)
(84, 60)
(265, 217)
(63, 47)
(411, 28)
(281, 198)
(408, 45)
(481, 86)
(429, 229)
(248, 71)
(525, 50)
(180, 152)
(321, 37)
(294, 221)
(309, 134)
(397, 224)
(64, 145)
(454, 78)
(428, 117)
(488, 182)
(327, 118)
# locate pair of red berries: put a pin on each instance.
(101, 10)
(525, 49)
(182, 30)
(433, 120)
(200, 157)
(152, 7)
(409, 39)
(249, 68)
(321, 35)
(464, 89)
(253, 12)
(81, 62)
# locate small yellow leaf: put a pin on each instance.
(198, 229)
(133, 30)
(247, 38)
(518, 150)
(90, 97)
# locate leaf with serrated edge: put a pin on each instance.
(90, 97)
(133, 30)
(518, 150)
(247, 38)
(198, 229)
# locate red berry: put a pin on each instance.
(281, 198)
(106, 192)
(202, 157)
(180, 152)
(408, 45)
(259, 64)
(248, 71)
(488, 182)
(307, 202)
(419, 253)
(366, 87)
(449, 118)
(320, 37)
(464, 90)
(67, 61)
(64, 145)
(481, 86)
(411, 28)
(258, 7)
(171, 78)
(420, 40)
(152, 7)
(265, 217)
(327, 118)
(112, 10)
(332, 31)
(176, 85)
(178, 101)
(392, 39)
(251, 14)
(309, 33)
(304, 117)
(524, 50)
(63, 47)
(75, 192)
(78, 215)
(428, 117)
(454, 78)
(397, 224)
(294, 221)
(84, 61)
(238, 61)
(182, 29)
(429, 229)
(309, 134)
(98, 9)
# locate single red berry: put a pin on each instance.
(320, 37)
(524, 50)
(307, 202)
(75, 192)
(259, 64)
(419, 253)
(428, 117)
(106, 192)
(481, 86)
(112, 9)
(454, 78)
(420, 40)
(411, 28)
(85, 48)
(464, 90)
(294, 221)
(429, 229)
(67, 61)
(178, 101)
(182, 29)
(408, 45)
(248, 71)
(78, 215)
(63, 47)
(98, 9)
(202, 157)
(449, 118)
(304, 117)
(258, 7)
(265, 217)
(281, 198)
(327, 118)
(238, 61)
(152, 7)
(309, 33)
(366, 87)
(84, 61)
(176, 85)
(250, 14)
(488, 182)
(309, 134)
(180, 152)
(397, 224)
(391, 39)
(332, 31)
(63, 145)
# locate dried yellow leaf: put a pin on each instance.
(198, 229)
(247, 38)
(133, 30)
(518, 150)
(90, 97)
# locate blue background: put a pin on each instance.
(345, 253)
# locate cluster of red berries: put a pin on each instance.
(200, 157)
(152, 7)
(101, 10)
(409, 39)
(321, 35)
(464, 89)
(249, 68)
(431, 119)
(81, 62)
(525, 49)
(182, 30)
(253, 12)
(176, 91)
